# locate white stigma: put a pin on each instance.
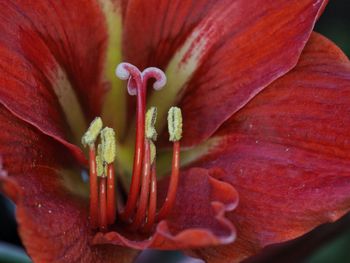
(157, 74)
(121, 72)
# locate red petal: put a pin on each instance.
(288, 154)
(240, 46)
(45, 48)
(52, 221)
(198, 218)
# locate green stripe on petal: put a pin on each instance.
(179, 71)
(114, 108)
(70, 104)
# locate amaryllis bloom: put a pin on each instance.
(265, 148)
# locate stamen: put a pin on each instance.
(89, 138)
(108, 145)
(108, 154)
(137, 86)
(152, 208)
(153, 151)
(93, 131)
(175, 124)
(151, 117)
(103, 222)
(103, 205)
(99, 162)
(150, 154)
(143, 200)
(175, 132)
(93, 188)
(111, 202)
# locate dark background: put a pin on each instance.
(335, 23)
(328, 244)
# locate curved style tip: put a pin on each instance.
(127, 71)
(157, 74)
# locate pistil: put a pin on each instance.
(137, 84)
(135, 87)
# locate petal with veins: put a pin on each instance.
(53, 221)
(52, 64)
(217, 54)
(287, 153)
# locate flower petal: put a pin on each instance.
(198, 218)
(288, 154)
(51, 63)
(53, 222)
(217, 54)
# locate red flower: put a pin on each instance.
(265, 107)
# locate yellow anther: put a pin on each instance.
(175, 124)
(150, 130)
(108, 145)
(99, 162)
(93, 131)
(153, 151)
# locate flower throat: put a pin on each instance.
(140, 210)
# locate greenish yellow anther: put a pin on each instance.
(108, 145)
(99, 162)
(150, 130)
(93, 131)
(153, 151)
(175, 124)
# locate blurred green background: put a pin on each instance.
(328, 244)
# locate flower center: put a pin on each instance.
(140, 208)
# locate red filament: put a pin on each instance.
(103, 222)
(143, 199)
(174, 181)
(111, 204)
(93, 188)
(151, 215)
